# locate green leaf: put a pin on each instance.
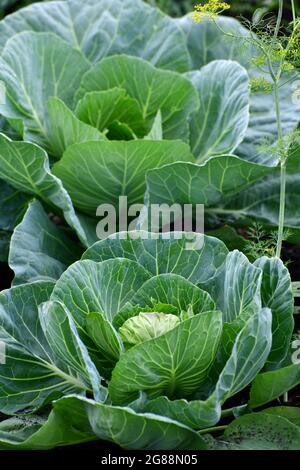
(230, 237)
(64, 129)
(25, 166)
(250, 351)
(221, 122)
(174, 364)
(146, 326)
(271, 385)
(66, 424)
(12, 205)
(31, 376)
(174, 290)
(277, 294)
(42, 257)
(101, 109)
(95, 173)
(261, 203)
(88, 287)
(131, 430)
(206, 184)
(207, 43)
(104, 336)
(120, 131)
(168, 289)
(160, 255)
(156, 132)
(43, 356)
(262, 131)
(290, 413)
(61, 334)
(248, 355)
(100, 28)
(35, 67)
(5, 238)
(236, 288)
(261, 431)
(154, 89)
(197, 414)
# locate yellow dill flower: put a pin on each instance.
(210, 9)
(259, 60)
(260, 85)
(279, 53)
(287, 67)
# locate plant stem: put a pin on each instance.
(281, 208)
(294, 11)
(215, 429)
(279, 19)
(283, 160)
(227, 413)
(282, 175)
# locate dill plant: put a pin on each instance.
(278, 52)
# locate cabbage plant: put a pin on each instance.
(129, 106)
(142, 342)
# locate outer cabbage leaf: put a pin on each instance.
(25, 166)
(101, 27)
(269, 386)
(221, 122)
(35, 67)
(66, 424)
(132, 430)
(207, 43)
(97, 173)
(262, 129)
(261, 203)
(212, 183)
(44, 256)
(61, 334)
(12, 204)
(168, 253)
(237, 287)
(47, 377)
(277, 294)
(260, 431)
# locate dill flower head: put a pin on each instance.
(210, 9)
(260, 85)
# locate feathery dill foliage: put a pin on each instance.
(261, 242)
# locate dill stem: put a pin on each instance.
(293, 11)
(281, 208)
(279, 19)
(281, 218)
(282, 201)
